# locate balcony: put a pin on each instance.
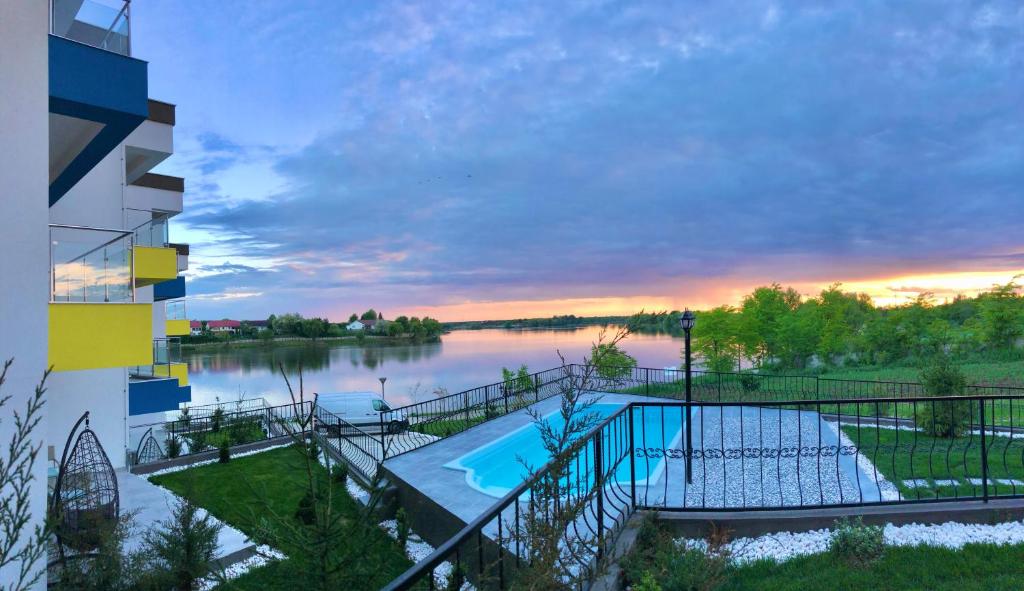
(169, 290)
(94, 322)
(98, 93)
(166, 362)
(177, 319)
(154, 261)
(152, 394)
(104, 25)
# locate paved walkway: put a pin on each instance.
(152, 504)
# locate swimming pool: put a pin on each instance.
(495, 469)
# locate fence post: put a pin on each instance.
(719, 386)
(504, 394)
(984, 453)
(647, 381)
(599, 486)
(632, 463)
(465, 404)
(536, 387)
(383, 446)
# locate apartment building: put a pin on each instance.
(90, 284)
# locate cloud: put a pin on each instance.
(473, 152)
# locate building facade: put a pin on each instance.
(90, 284)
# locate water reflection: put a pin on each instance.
(463, 359)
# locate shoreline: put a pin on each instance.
(285, 341)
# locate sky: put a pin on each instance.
(471, 160)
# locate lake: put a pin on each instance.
(464, 359)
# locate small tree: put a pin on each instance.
(109, 566)
(610, 361)
(183, 547)
(944, 418)
(22, 547)
(558, 559)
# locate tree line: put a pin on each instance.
(776, 327)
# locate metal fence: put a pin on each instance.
(191, 434)
(748, 386)
(562, 521)
(361, 450)
(754, 454)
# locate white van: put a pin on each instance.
(365, 410)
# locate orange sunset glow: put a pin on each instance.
(884, 291)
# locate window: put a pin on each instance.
(380, 406)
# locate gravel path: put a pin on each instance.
(755, 457)
(783, 546)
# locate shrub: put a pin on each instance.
(339, 472)
(749, 382)
(659, 560)
(647, 583)
(217, 419)
(402, 526)
(306, 511)
(183, 547)
(490, 413)
(173, 446)
(855, 543)
(944, 418)
(224, 452)
(313, 450)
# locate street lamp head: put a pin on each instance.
(382, 380)
(687, 320)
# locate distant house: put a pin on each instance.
(223, 325)
(259, 325)
(196, 327)
(367, 325)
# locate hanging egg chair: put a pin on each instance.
(149, 449)
(85, 499)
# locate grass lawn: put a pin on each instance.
(977, 567)
(906, 455)
(233, 492)
(992, 373)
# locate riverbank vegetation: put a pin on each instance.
(294, 327)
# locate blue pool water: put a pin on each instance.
(495, 469)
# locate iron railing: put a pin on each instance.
(191, 434)
(779, 455)
(581, 501)
(358, 448)
(443, 417)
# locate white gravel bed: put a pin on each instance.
(264, 556)
(173, 469)
(783, 546)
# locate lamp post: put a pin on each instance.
(687, 321)
(382, 380)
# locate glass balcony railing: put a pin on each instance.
(153, 233)
(166, 352)
(90, 265)
(100, 23)
(175, 310)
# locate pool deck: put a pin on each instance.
(747, 457)
(424, 468)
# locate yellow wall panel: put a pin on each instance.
(154, 264)
(94, 336)
(176, 328)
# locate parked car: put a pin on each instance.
(365, 410)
